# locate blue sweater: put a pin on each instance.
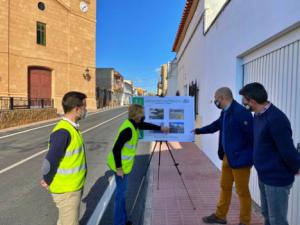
(275, 156)
(235, 137)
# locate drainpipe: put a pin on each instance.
(8, 48)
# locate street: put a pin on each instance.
(24, 202)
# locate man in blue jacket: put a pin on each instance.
(235, 149)
(275, 156)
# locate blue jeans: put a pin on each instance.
(120, 215)
(274, 203)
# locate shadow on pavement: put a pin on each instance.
(98, 189)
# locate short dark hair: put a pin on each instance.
(72, 100)
(255, 91)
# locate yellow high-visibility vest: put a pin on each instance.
(128, 151)
(71, 172)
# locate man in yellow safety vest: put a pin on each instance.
(64, 167)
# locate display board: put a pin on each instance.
(177, 113)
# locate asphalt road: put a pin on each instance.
(24, 202)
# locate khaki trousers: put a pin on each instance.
(68, 205)
(241, 179)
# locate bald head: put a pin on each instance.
(224, 92)
(223, 97)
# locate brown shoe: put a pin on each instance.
(213, 219)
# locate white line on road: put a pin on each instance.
(48, 125)
(103, 203)
(25, 131)
(43, 151)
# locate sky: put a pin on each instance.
(136, 37)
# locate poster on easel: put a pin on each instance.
(176, 112)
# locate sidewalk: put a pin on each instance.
(170, 204)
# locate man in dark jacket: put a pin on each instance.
(235, 149)
(275, 156)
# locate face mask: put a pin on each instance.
(218, 104)
(248, 107)
(83, 114)
(142, 119)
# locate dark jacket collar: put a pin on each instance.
(134, 123)
(229, 110)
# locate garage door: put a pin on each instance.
(279, 72)
(39, 86)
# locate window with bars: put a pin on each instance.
(194, 91)
(41, 33)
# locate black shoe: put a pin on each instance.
(129, 223)
(213, 219)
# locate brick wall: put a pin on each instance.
(13, 118)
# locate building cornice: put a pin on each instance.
(188, 13)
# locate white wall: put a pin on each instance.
(245, 30)
(213, 60)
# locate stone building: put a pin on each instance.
(47, 48)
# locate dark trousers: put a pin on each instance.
(120, 215)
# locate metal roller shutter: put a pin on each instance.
(279, 72)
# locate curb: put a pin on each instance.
(148, 205)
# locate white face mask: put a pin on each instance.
(83, 114)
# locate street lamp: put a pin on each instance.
(86, 74)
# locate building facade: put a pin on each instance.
(232, 43)
(159, 88)
(172, 89)
(128, 92)
(110, 82)
(47, 48)
(164, 78)
(138, 91)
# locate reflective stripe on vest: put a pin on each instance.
(127, 152)
(74, 152)
(130, 146)
(71, 172)
(127, 157)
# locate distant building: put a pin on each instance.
(172, 78)
(128, 92)
(139, 91)
(162, 85)
(164, 78)
(159, 88)
(109, 83)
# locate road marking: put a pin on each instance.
(103, 203)
(36, 128)
(25, 131)
(43, 151)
